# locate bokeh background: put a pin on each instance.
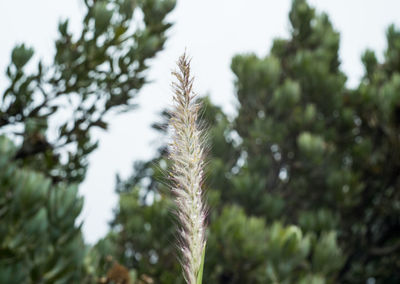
(214, 32)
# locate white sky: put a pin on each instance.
(213, 31)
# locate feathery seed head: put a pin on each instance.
(187, 156)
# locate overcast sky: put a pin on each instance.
(212, 31)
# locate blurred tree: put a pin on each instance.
(94, 73)
(39, 240)
(48, 115)
(303, 183)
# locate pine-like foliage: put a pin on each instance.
(49, 113)
(303, 183)
(39, 240)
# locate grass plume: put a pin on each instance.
(187, 153)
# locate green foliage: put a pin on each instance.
(21, 55)
(147, 234)
(94, 73)
(303, 182)
(39, 240)
(245, 250)
(49, 114)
